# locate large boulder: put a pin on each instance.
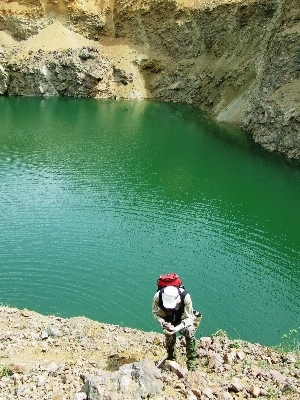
(139, 380)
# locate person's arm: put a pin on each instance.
(187, 318)
(188, 315)
(157, 313)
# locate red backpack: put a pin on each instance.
(169, 280)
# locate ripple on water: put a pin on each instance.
(95, 207)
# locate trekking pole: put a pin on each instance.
(159, 362)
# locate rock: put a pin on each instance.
(190, 395)
(53, 330)
(41, 380)
(236, 385)
(205, 342)
(254, 391)
(80, 396)
(52, 368)
(278, 377)
(240, 355)
(179, 371)
(149, 378)
(121, 76)
(19, 368)
(208, 393)
(229, 357)
(264, 392)
(25, 313)
(289, 358)
(3, 80)
(215, 360)
(125, 381)
(44, 348)
(84, 54)
(202, 353)
(225, 396)
(255, 370)
(44, 335)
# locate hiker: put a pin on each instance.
(172, 308)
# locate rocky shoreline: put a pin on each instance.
(239, 60)
(53, 358)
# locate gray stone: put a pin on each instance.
(44, 335)
(225, 396)
(278, 377)
(191, 396)
(53, 330)
(121, 76)
(80, 396)
(149, 378)
(41, 381)
(208, 393)
(215, 360)
(255, 391)
(205, 342)
(236, 385)
(179, 371)
(138, 380)
(52, 368)
(84, 54)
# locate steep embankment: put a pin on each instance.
(239, 60)
(75, 359)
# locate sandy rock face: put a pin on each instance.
(238, 60)
(60, 62)
(274, 117)
(25, 18)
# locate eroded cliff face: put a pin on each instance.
(238, 60)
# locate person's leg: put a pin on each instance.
(191, 348)
(171, 346)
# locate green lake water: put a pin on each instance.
(98, 198)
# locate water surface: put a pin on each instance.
(98, 198)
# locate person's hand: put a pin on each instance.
(169, 331)
(173, 329)
(179, 327)
(165, 325)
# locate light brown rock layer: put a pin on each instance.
(238, 60)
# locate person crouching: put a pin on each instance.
(172, 308)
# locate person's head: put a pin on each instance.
(170, 297)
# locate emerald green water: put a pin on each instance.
(98, 198)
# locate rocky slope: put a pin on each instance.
(48, 357)
(238, 60)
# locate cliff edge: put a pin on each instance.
(48, 357)
(238, 60)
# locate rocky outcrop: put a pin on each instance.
(274, 114)
(238, 60)
(78, 73)
(48, 357)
